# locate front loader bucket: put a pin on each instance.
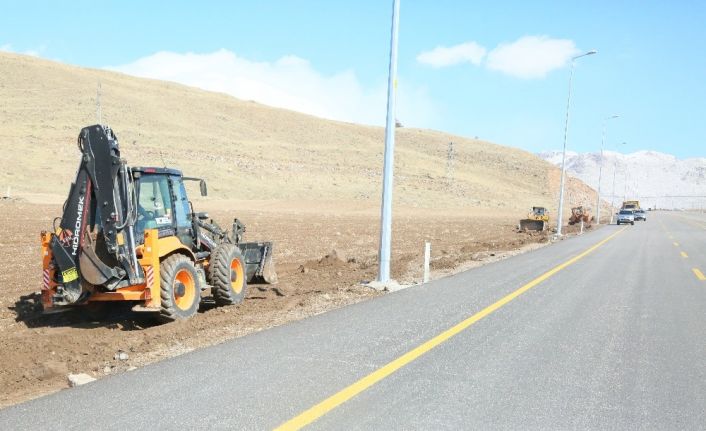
(269, 275)
(259, 266)
(533, 225)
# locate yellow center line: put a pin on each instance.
(697, 224)
(676, 244)
(684, 255)
(700, 275)
(366, 382)
(664, 228)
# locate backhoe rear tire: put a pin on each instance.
(180, 290)
(226, 273)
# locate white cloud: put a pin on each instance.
(528, 57)
(531, 56)
(442, 56)
(31, 52)
(289, 82)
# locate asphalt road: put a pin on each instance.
(612, 338)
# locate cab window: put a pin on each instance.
(181, 203)
(154, 209)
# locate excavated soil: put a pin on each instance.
(321, 257)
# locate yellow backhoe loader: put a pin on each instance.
(131, 234)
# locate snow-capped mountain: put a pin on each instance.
(656, 179)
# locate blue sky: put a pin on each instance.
(501, 73)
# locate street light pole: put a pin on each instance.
(612, 196)
(566, 131)
(388, 163)
(600, 169)
(612, 200)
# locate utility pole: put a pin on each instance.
(449, 163)
(612, 195)
(600, 169)
(625, 189)
(389, 158)
(99, 113)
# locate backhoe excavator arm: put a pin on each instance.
(101, 198)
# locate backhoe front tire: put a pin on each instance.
(180, 290)
(226, 272)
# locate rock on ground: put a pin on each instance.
(79, 379)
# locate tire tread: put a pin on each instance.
(219, 275)
(168, 268)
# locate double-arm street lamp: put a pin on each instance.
(566, 131)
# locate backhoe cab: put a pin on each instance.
(131, 234)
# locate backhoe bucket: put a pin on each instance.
(532, 225)
(259, 265)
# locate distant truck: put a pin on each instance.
(631, 205)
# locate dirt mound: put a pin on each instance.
(329, 261)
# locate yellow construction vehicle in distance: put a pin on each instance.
(537, 220)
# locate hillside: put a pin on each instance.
(656, 178)
(245, 150)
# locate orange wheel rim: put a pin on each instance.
(237, 276)
(185, 299)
